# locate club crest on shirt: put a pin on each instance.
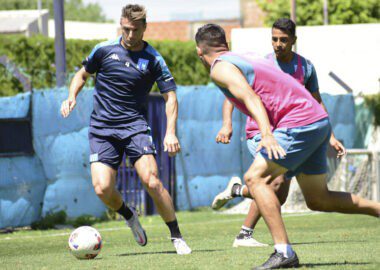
(142, 64)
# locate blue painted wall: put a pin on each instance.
(58, 175)
(204, 168)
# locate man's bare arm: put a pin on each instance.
(228, 76)
(76, 86)
(171, 143)
(225, 133)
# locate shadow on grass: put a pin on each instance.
(167, 252)
(311, 265)
(327, 242)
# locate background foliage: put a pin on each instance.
(373, 102)
(310, 12)
(35, 57)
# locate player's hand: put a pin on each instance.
(171, 145)
(67, 106)
(338, 146)
(224, 135)
(271, 145)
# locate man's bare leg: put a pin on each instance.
(146, 167)
(258, 178)
(103, 180)
(319, 198)
(245, 238)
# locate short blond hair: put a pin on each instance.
(134, 12)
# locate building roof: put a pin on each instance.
(13, 21)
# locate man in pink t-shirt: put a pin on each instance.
(301, 69)
(294, 134)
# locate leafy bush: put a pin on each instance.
(373, 102)
(9, 85)
(50, 221)
(86, 220)
(35, 56)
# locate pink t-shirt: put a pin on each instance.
(287, 102)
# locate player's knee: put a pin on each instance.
(155, 186)
(253, 179)
(146, 176)
(320, 201)
(277, 183)
(316, 205)
(102, 190)
(250, 178)
(152, 182)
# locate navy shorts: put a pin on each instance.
(109, 145)
(305, 147)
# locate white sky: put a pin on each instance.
(166, 10)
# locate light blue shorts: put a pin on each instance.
(305, 147)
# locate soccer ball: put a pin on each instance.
(85, 242)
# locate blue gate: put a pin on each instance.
(128, 182)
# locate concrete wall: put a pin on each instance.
(86, 30)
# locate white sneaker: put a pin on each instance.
(223, 197)
(247, 241)
(180, 246)
(136, 228)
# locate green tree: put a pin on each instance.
(310, 12)
(75, 10)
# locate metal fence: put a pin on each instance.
(128, 182)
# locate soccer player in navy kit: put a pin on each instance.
(126, 69)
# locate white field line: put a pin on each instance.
(149, 226)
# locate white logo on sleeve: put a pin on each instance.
(94, 157)
(127, 64)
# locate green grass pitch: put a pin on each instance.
(322, 241)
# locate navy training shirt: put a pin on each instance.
(123, 81)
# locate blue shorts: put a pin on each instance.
(305, 147)
(109, 145)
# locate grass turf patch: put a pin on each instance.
(322, 241)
